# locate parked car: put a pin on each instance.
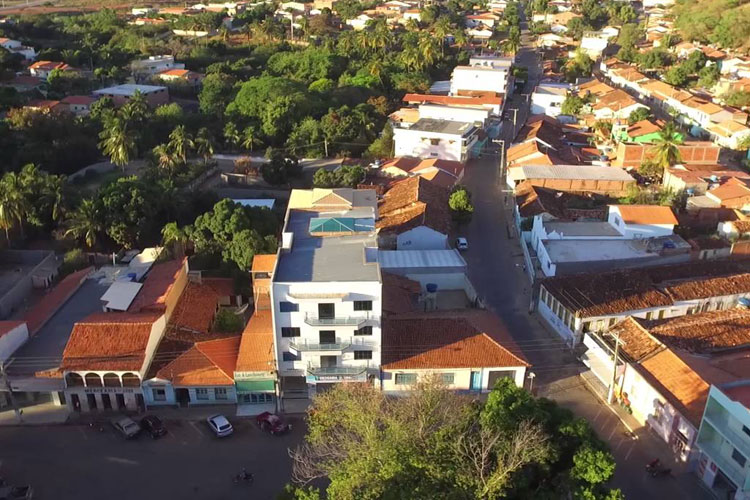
(220, 425)
(462, 244)
(154, 426)
(16, 492)
(127, 427)
(272, 423)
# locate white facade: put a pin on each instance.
(13, 339)
(480, 78)
(454, 113)
(547, 98)
(154, 65)
(637, 231)
(458, 379)
(724, 440)
(17, 47)
(321, 327)
(594, 45)
(429, 144)
(421, 238)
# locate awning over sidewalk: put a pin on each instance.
(255, 386)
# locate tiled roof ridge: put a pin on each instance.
(520, 360)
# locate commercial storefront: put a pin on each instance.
(104, 391)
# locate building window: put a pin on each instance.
(261, 398)
(447, 378)
(159, 394)
(738, 457)
(365, 330)
(288, 356)
(290, 331)
(201, 394)
(746, 430)
(362, 354)
(363, 305)
(220, 393)
(661, 313)
(586, 327)
(435, 142)
(288, 307)
(406, 378)
(612, 322)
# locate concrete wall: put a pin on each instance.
(409, 142)
(13, 298)
(12, 341)
(454, 113)
(421, 238)
(479, 79)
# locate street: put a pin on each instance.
(78, 462)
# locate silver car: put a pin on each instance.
(220, 425)
(127, 427)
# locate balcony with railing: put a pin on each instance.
(338, 371)
(719, 420)
(315, 320)
(303, 345)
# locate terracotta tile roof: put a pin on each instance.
(43, 310)
(541, 128)
(156, 287)
(594, 87)
(7, 326)
(454, 168)
(49, 65)
(439, 178)
(108, 341)
(82, 100)
(223, 287)
(414, 202)
(175, 72)
(256, 349)
(196, 308)
(451, 339)
(534, 200)
(209, 363)
(704, 333)
(404, 163)
(643, 127)
(646, 214)
(263, 263)
(727, 128)
(617, 292)
(617, 99)
(742, 226)
(453, 100)
(399, 293)
(732, 189)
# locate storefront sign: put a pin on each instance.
(108, 390)
(311, 379)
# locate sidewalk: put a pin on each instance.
(41, 414)
(597, 389)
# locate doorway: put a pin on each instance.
(476, 381)
(120, 400)
(326, 311)
(327, 337)
(182, 396)
(91, 399)
(106, 402)
(327, 361)
(76, 402)
(140, 403)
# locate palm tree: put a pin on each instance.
(427, 49)
(231, 134)
(411, 58)
(13, 203)
(380, 38)
(86, 222)
(117, 142)
(54, 193)
(204, 144)
(249, 137)
(165, 158)
(442, 28)
(174, 238)
(136, 110)
(666, 146)
(411, 25)
(180, 143)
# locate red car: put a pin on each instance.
(272, 423)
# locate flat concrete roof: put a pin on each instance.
(129, 89)
(573, 172)
(395, 259)
(326, 258)
(592, 229)
(561, 251)
(443, 127)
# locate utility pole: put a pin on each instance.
(325, 144)
(611, 392)
(6, 383)
(531, 376)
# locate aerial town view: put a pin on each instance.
(375, 249)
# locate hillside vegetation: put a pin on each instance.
(724, 22)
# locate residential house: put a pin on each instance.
(594, 45)
(573, 178)
(729, 133)
(326, 291)
(22, 83)
(642, 221)
(481, 19)
(121, 94)
(144, 68)
(46, 106)
(532, 201)
(576, 304)
(547, 98)
(444, 173)
(42, 69)
(414, 215)
(486, 76)
(360, 22)
(734, 193)
(493, 103)
(615, 104)
(642, 132)
(479, 116)
(632, 155)
(443, 139)
(468, 350)
(187, 77)
(16, 47)
(724, 441)
(734, 229)
(79, 105)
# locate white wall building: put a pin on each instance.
(547, 98)
(455, 113)
(17, 47)
(13, 334)
(443, 139)
(154, 65)
(486, 75)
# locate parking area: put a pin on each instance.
(92, 462)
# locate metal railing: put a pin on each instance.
(336, 370)
(305, 346)
(336, 320)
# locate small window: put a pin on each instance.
(447, 378)
(220, 393)
(288, 307)
(365, 330)
(661, 313)
(406, 378)
(746, 430)
(159, 394)
(612, 321)
(362, 354)
(290, 331)
(201, 394)
(738, 457)
(288, 356)
(435, 142)
(363, 305)
(261, 398)
(586, 326)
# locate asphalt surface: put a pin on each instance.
(77, 462)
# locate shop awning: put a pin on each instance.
(255, 385)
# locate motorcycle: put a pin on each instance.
(653, 464)
(243, 476)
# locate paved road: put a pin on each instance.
(76, 462)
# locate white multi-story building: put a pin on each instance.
(154, 65)
(326, 291)
(724, 442)
(487, 74)
(547, 98)
(442, 139)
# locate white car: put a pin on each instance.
(220, 425)
(462, 244)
